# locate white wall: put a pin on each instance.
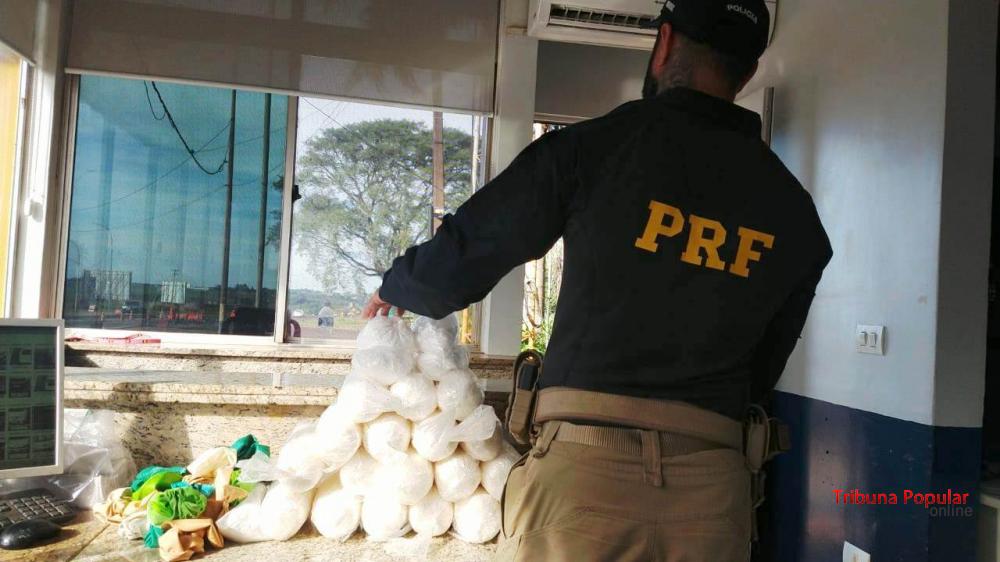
(585, 81)
(860, 118)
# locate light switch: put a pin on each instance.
(855, 554)
(871, 339)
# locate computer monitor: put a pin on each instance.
(31, 412)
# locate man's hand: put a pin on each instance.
(377, 306)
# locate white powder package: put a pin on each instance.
(385, 435)
(417, 396)
(431, 516)
(457, 476)
(336, 512)
(460, 393)
(477, 518)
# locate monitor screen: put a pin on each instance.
(29, 396)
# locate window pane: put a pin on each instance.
(151, 199)
(368, 191)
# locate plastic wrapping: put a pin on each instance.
(336, 442)
(407, 478)
(243, 522)
(211, 460)
(95, 461)
(283, 511)
(361, 400)
(457, 476)
(336, 512)
(460, 393)
(435, 335)
(358, 475)
(299, 462)
(389, 331)
(485, 449)
(435, 364)
(386, 435)
(382, 517)
(431, 516)
(431, 436)
(477, 518)
(495, 472)
(417, 396)
(382, 365)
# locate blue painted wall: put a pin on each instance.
(836, 447)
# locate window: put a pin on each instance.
(13, 73)
(175, 218)
(372, 180)
(176, 208)
(542, 281)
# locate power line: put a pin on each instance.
(191, 151)
(150, 103)
(150, 184)
(178, 207)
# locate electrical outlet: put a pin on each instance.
(870, 339)
(855, 554)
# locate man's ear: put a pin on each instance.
(661, 50)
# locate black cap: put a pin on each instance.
(735, 27)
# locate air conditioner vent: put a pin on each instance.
(567, 14)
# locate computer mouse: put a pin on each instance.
(27, 533)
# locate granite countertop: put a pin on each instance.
(74, 538)
(307, 545)
(200, 387)
(275, 351)
(88, 539)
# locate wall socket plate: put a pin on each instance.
(870, 339)
(855, 554)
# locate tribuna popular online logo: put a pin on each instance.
(948, 503)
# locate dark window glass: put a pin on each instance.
(151, 197)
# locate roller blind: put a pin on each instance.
(438, 53)
(17, 26)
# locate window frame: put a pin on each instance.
(209, 340)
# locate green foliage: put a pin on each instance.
(367, 196)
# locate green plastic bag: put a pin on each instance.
(149, 471)
(176, 503)
(247, 445)
(156, 483)
(152, 538)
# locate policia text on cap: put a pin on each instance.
(691, 260)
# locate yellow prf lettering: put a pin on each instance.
(746, 251)
(655, 227)
(698, 241)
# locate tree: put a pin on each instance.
(366, 195)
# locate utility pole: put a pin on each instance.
(223, 287)
(262, 224)
(437, 194)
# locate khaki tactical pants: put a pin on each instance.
(575, 502)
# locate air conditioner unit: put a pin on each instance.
(613, 23)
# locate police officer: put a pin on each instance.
(691, 260)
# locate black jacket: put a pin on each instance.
(691, 254)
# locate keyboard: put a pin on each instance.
(34, 504)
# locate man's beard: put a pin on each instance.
(651, 86)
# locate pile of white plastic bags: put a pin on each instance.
(407, 446)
